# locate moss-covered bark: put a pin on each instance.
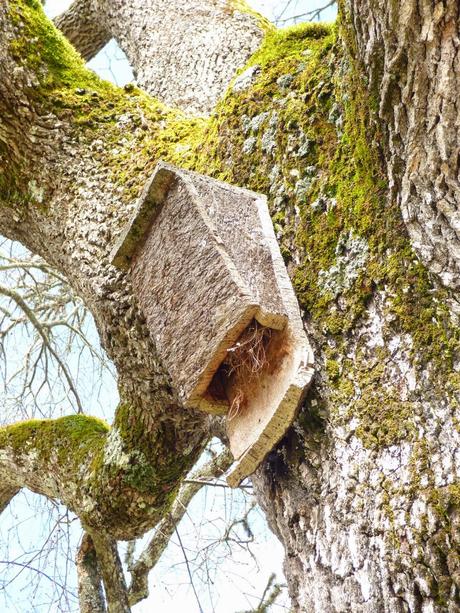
(353, 485)
(364, 490)
(177, 54)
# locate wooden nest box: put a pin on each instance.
(210, 279)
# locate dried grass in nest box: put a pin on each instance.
(245, 361)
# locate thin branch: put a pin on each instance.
(14, 264)
(38, 327)
(216, 484)
(188, 569)
(309, 15)
(270, 594)
(36, 556)
(28, 567)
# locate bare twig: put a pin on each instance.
(307, 16)
(217, 484)
(52, 345)
(27, 566)
(5, 291)
(188, 569)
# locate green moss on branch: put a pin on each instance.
(69, 440)
(136, 130)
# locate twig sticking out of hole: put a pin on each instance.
(248, 355)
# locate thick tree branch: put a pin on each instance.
(112, 573)
(111, 483)
(83, 26)
(39, 455)
(90, 593)
(190, 73)
(7, 493)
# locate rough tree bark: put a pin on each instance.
(354, 134)
(184, 53)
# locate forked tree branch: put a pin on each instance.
(189, 74)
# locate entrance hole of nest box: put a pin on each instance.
(253, 356)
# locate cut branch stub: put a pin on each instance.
(210, 279)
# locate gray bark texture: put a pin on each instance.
(90, 593)
(84, 28)
(353, 133)
(411, 56)
(184, 52)
(365, 498)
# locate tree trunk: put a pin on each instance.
(354, 135)
(410, 54)
(364, 491)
